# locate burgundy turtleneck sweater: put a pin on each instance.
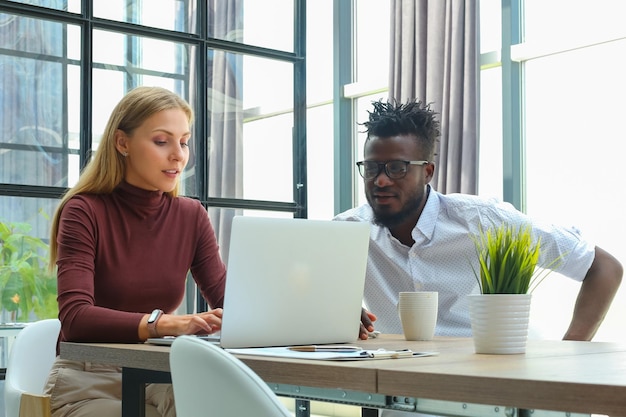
(123, 254)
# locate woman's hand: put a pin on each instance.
(175, 325)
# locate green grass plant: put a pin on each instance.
(508, 258)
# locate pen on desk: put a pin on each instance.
(402, 354)
(391, 354)
(322, 348)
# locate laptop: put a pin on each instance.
(293, 282)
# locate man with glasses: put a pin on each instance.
(421, 239)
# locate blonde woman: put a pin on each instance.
(123, 241)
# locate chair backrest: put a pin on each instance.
(207, 380)
(30, 360)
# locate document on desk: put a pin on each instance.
(330, 353)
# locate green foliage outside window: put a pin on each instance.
(28, 290)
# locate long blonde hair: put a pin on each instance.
(107, 168)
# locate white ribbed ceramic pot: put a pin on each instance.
(499, 322)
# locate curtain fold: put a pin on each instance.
(435, 59)
(225, 118)
(224, 123)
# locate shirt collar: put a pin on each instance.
(427, 220)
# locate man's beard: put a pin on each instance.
(390, 220)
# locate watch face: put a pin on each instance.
(153, 316)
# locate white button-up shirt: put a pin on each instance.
(444, 253)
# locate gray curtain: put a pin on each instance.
(435, 59)
(225, 118)
(224, 123)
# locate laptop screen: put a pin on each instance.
(294, 281)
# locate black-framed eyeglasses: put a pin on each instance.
(394, 169)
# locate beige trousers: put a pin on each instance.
(81, 389)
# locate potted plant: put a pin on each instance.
(27, 290)
(508, 272)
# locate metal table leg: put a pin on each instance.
(134, 389)
(303, 408)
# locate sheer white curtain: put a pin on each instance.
(435, 59)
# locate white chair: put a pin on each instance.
(30, 361)
(207, 380)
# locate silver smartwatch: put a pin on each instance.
(152, 322)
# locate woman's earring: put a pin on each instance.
(124, 154)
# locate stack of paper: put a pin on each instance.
(330, 352)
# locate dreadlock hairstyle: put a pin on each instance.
(392, 118)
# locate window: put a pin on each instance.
(65, 68)
(570, 106)
(372, 34)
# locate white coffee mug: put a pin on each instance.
(418, 314)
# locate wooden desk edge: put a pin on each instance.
(322, 374)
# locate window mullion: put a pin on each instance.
(513, 147)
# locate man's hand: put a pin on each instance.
(367, 319)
